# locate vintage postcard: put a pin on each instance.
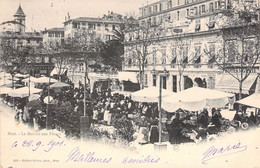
(137, 83)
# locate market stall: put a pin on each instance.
(252, 100)
(23, 92)
(59, 85)
(195, 99)
(150, 94)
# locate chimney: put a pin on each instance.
(68, 16)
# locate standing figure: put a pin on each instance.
(143, 131)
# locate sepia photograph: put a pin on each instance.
(129, 83)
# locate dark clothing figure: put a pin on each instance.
(203, 119)
(176, 130)
(238, 117)
(154, 133)
(252, 120)
(216, 120)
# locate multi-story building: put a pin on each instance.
(53, 35)
(103, 27)
(13, 36)
(185, 29)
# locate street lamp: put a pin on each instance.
(161, 146)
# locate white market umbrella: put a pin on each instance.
(252, 100)
(45, 79)
(32, 79)
(5, 82)
(5, 90)
(191, 103)
(23, 92)
(196, 98)
(150, 94)
(19, 75)
(59, 85)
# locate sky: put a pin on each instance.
(42, 14)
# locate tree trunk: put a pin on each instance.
(179, 82)
(240, 93)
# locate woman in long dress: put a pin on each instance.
(142, 137)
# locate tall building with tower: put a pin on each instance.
(13, 36)
(19, 17)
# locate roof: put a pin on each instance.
(93, 19)
(19, 11)
(56, 29)
(12, 21)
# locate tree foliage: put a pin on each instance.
(239, 47)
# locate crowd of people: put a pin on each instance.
(103, 107)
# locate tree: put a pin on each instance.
(179, 53)
(14, 54)
(138, 41)
(113, 50)
(239, 47)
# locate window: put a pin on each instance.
(217, 4)
(178, 2)
(62, 34)
(187, 12)
(150, 10)
(199, 10)
(160, 7)
(28, 41)
(154, 80)
(197, 25)
(90, 26)
(174, 83)
(83, 24)
(178, 15)
(145, 79)
(164, 56)
(154, 20)
(170, 5)
(195, 11)
(212, 57)
(211, 7)
(211, 23)
(113, 27)
(231, 50)
(203, 9)
(56, 34)
(197, 50)
(164, 82)
(98, 26)
(74, 25)
(155, 8)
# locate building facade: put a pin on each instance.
(103, 27)
(53, 35)
(186, 32)
(14, 38)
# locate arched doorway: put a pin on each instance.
(188, 83)
(200, 82)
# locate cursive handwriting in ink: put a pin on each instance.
(52, 143)
(76, 156)
(147, 159)
(35, 145)
(213, 152)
